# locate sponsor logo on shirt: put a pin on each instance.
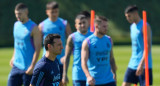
(57, 77)
(102, 53)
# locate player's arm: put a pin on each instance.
(112, 62)
(37, 78)
(84, 59)
(12, 59)
(37, 44)
(68, 51)
(38, 75)
(68, 30)
(40, 29)
(140, 66)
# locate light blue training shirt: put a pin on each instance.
(77, 72)
(23, 44)
(99, 59)
(138, 45)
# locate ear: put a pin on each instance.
(75, 26)
(27, 12)
(96, 25)
(47, 12)
(49, 46)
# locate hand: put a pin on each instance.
(11, 62)
(115, 78)
(91, 80)
(139, 70)
(65, 80)
(30, 70)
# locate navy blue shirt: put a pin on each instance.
(46, 73)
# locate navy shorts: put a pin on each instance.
(17, 77)
(79, 83)
(108, 84)
(130, 77)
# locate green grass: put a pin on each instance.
(122, 55)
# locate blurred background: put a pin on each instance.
(118, 29)
(112, 9)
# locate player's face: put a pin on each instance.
(53, 13)
(81, 25)
(130, 17)
(57, 47)
(21, 15)
(103, 27)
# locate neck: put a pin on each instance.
(50, 56)
(25, 20)
(84, 33)
(98, 35)
(137, 20)
(52, 19)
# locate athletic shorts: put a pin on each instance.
(79, 83)
(108, 84)
(130, 77)
(17, 77)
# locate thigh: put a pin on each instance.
(26, 79)
(130, 76)
(142, 78)
(108, 84)
(15, 77)
(79, 83)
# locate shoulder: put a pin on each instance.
(32, 24)
(133, 24)
(73, 35)
(88, 40)
(91, 36)
(62, 20)
(40, 65)
(46, 20)
(108, 37)
(17, 23)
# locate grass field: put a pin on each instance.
(122, 55)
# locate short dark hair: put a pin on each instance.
(86, 13)
(99, 19)
(131, 8)
(20, 6)
(52, 5)
(50, 39)
(80, 16)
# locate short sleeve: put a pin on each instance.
(38, 76)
